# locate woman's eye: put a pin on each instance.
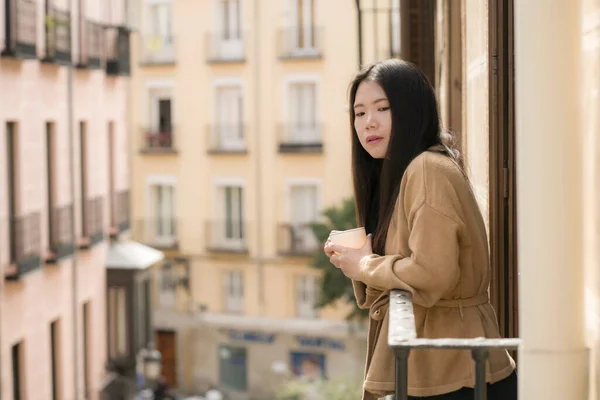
(359, 114)
(384, 108)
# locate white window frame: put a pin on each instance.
(234, 299)
(306, 286)
(154, 90)
(160, 180)
(218, 234)
(232, 48)
(308, 31)
(157, 47)
(219, 84)
(303, 182)
(299, 79)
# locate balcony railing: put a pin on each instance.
(91, 46)
(159, 232)
(300, 43)
(296, 240)
(58, 36)
(402, 338)
(301, 138)
(158, 140)
(25, 245)
(61, 233)
(20, 34)
(229, 236)
(119, 220)
(226, 138)
(117, 50)
(225, 48)
(93, 231)
(157, 49)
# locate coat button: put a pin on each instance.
(377, 312)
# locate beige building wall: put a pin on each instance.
(34, 93)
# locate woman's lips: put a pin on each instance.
(374, 139)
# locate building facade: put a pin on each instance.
(241, 142)
(64, 187)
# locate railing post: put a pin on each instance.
(480, 357)
(402, 373)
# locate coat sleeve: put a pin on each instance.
(432, 268)
(365, 295)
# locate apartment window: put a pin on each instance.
(229, 230)
(302, 113)
(83, 168)
(161, 227)
(304, 207)
(159, 134)
(55, 359)
(111, 174)
(233, 368)
(51, 174)
(12, 164)
(17, 369)
(86, 348)
(159, 41)
(304, 18)
(306, 296)
(230, 117)
(166, 295)
(117, 322)
(234, 291)
(144, 309)
(230, 19)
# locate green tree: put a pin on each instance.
(334, 284)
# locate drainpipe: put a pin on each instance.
(70, 116)
(260, 263)
(360, 42)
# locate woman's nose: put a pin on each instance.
(370, 122)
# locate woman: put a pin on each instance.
(426, 235)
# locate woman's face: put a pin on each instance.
(372, 118)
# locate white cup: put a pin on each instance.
(353, 238)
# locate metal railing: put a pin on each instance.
(158, 140)
(21, 29)
(296, 240)
(93, 231)
(156, 232)
(300, 42)
(226, 138)
(117, 50)
(227, 236)
(402, 338)
(92, 38)
(301, 138)
(61, 232)
(58, 35)
(225, 48)
(25, 245)
(119, 213)
(157, 49)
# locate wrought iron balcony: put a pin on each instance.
(159, 232)
(226, 48)
(91, 45)
(296, 240)
(227, 236)
(402, 338)
(61, 233)
(157, 49)
(158, 140)
(93, 232)
(300, 42)
(119, 219)
(25, 245)
(226, 138)
(57, 24)
(118, 51)
(20, 26)
(301, 138)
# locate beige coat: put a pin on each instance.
(437, 249)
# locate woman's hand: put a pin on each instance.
(348, 259)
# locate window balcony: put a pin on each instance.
(402, 338)
(119, 220)
(61, 233)
(300, 138)
(296, 240)
(90, 53)
(20, 36)
(158, 141)
(224, 138)
(57, 24)
(227, 236)
(158, 232)
(25, 245)
(118, 51)
(157, 49)
(297, 43)
(225, 48)
(93, 232)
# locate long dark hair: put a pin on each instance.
(415, 128)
